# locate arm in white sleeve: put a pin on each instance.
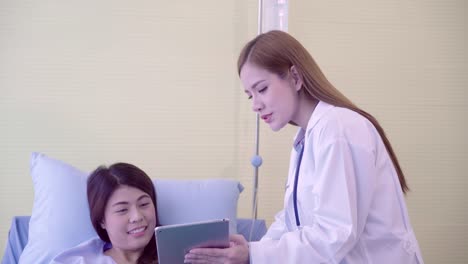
(343, 182)
(277, 228)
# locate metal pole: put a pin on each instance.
(256, 160)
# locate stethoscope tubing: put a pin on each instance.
(296, 180)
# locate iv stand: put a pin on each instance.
(277, 15)
(256, 160)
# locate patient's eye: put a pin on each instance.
(121, 210)
(144, 204)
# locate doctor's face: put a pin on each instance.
(129, 219)
(274, 98)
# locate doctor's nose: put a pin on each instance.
(257, 106)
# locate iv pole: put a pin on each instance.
(256, 160)
(278, 14)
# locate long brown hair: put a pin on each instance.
(103, 182)
(277, 51)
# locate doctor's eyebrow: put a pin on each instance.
(254, 86)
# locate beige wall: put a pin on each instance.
(154, 83)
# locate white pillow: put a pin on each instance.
(60, 215)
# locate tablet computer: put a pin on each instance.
(174, 241)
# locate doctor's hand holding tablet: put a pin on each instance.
(237, 252)
(344, 201)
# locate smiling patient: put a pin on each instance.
(122, 203)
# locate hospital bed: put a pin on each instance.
(18, 235)
(57, 219)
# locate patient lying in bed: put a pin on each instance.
(59, 219)
(122, 203)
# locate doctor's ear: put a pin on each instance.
(296, 78)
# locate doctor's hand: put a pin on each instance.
(236, 253)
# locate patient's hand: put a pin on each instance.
(236, 253)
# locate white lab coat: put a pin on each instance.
(350, 203)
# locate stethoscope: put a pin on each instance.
(296, 179)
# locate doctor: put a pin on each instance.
(344, 199)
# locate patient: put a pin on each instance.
(122, 203)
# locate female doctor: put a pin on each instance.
(344, 199)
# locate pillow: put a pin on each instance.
(60, 214)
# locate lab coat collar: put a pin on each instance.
(318, 112)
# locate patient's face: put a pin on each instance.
(129, 219)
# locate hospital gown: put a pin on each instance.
(88, 252)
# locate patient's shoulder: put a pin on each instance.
(90, 251)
